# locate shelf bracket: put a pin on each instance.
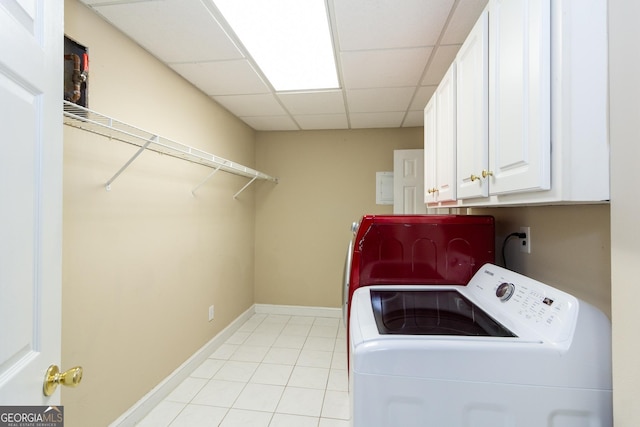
(193, 192)
(235, 196)
(126, 165)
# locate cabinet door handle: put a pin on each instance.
(432, 190)
(474, 177)
(486, 173)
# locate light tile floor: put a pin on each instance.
(275, 371)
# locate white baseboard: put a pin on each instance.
(298, 310)
(149, 401)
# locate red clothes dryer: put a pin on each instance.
(416, 250)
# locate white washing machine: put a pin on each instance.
(503, 351)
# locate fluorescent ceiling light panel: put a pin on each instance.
(289, 40)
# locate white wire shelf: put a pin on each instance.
(92, 121)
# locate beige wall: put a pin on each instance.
(327, 181)
(142, 263)
(624, 68)
(570, 248)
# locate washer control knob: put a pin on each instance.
(505, 291)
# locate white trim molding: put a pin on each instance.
(298, 310)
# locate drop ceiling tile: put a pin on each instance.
(422, 97)
(322, 121)
(442, 59)
(267, 123)
(235, 77)
(376, 120)
(384, 68)
(186, 36)
(172, 30)
(324, 102)
(379, 100)
(251, 105)
(413, 119)
(366, 24)
(463, 19)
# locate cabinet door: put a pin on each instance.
(430, 159)
(519, 100)
(472, 112)
(446, 137)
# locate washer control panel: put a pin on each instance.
(520, 300)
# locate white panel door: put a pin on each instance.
(408, 182)
(472, 112)
(31, 61)
(520, 91)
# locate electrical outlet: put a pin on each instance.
(525, 243)
(211, 313)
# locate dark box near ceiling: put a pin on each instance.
(76, 72)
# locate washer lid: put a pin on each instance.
(432, 312)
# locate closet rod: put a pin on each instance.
(92, 121)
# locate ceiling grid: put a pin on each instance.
(389, 55)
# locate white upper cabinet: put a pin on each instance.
(558, 149)
(531, 112)
(519, 96)
(472, 112)
(446, 136)
(430, 163)
(440, 141)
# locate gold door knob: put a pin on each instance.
(432, 190)
(474, 177)
(486, 173)
(54, 377)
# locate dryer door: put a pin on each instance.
(345, 285)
